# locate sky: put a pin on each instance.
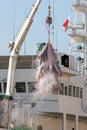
(13, 13)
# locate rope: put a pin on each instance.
(53, 23)
(48, 24)
(48, 29)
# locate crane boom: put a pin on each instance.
(15, 48)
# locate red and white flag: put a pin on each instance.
(66, 24)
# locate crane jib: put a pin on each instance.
(16, 48)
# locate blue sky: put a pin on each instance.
(12, 14)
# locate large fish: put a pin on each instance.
(48, 65)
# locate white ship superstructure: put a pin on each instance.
(79, 35)
(64, 111)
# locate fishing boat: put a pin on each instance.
(61, 108)
(64, 109)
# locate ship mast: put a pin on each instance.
(78, 34)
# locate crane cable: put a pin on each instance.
(53, 23)
(48, 21)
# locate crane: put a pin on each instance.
(15, 47)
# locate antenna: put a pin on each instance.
(14, 19)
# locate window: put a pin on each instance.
(73, 129)
(81, 92)
(65, 60)
(85, 83)
(39, 127)
(77, 92)
(74, 91)
(62, 87)
(33, 104)
(70, 90)
(0, 88)
(65, 90)
(20, 87)
(31, 87)
(5, 84)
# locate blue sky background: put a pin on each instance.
(12, 14)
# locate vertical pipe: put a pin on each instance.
(85, 43)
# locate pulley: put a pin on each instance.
(49, 18)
